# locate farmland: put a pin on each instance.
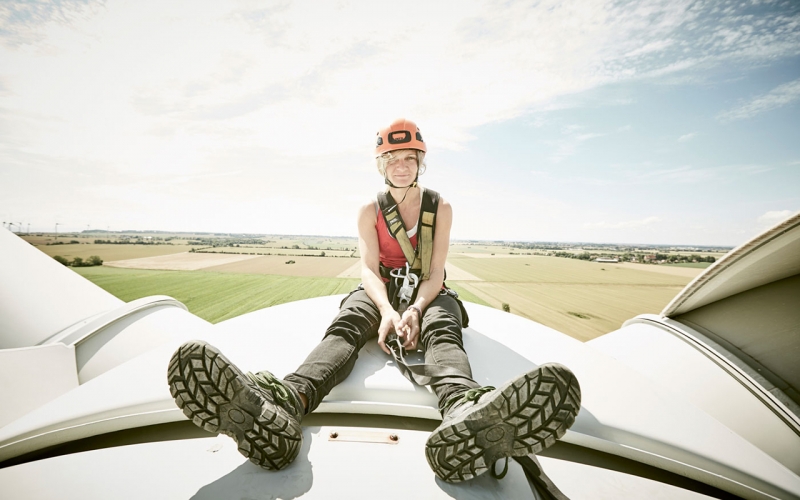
(582, 299)
(85, 249)
(213, 296)
(222, 276)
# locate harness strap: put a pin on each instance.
(427, 221)
(421, 257)
(422, 373)
(543, 485)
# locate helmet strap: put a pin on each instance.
(390, 184)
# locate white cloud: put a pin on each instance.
(196, 106)
(782, 95)
(623, 224)
(687, 137)
(773, 217)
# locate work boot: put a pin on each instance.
(259, 411)
(483, 425)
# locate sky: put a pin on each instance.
(660, 122)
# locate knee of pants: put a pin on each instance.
(443, 329)
(352, 327)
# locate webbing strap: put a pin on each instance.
(544, 486)
(427, 225)
(422, 373)
(421, 257)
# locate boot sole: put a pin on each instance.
(525, 416)
(215, 395)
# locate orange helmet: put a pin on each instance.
(401, 134)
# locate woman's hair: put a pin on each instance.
(383, 159)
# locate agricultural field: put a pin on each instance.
(213, 296)
(582, 299)
(111, 252)
(266, 250)
(539, 269)
(696, 265)
(221, 276)
(327, 267)
(244, 264)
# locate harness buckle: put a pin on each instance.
(406, 287)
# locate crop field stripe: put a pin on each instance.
(606, 306)
(109, 252)
(214, 297)
(466, 295)
(537, 269)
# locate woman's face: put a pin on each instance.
(402, 168)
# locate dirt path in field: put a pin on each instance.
(185, 261)
(353, 271)
(454, 273)
(689, 272)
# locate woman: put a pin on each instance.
(480, 424)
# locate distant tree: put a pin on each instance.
(506, 307)
(77, 262)
(94, 260)
(61, 260)
(322, 254)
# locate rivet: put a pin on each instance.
(393, 437)
(334, 435)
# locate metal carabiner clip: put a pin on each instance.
(405, 291)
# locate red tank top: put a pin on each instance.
(391, 255)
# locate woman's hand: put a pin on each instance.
(409, 325)
(390, 321)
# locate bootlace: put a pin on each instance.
(501, 474)
(270, 382)
(469, 395)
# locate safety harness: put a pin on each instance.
(419, 259)
(403, 282)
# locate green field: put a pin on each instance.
(216, 297)
(570, 298)
(579, 298)
(212, 296)
(697, 265)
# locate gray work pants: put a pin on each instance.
(357, 322)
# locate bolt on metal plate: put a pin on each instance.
(357, 436)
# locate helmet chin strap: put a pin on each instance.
(390, 184)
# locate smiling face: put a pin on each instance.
(401, 166)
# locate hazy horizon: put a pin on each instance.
(452, 241)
